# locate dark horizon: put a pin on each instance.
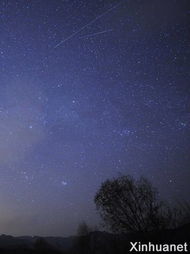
(89, 90)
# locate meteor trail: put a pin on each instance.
(91, 22)
(94, 34)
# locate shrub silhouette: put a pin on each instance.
(126, 204)
(83, 229)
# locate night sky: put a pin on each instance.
(89, 90)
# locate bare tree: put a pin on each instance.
(126, 204)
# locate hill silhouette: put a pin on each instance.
(95, 242)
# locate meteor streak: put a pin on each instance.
(91, 22)
(94, 34)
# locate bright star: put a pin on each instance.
(64, 183)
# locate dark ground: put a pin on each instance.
(93, 243)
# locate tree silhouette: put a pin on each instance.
(126, 204)
(83, 229)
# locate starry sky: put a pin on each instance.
(89, 90)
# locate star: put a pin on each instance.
(64, 183)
